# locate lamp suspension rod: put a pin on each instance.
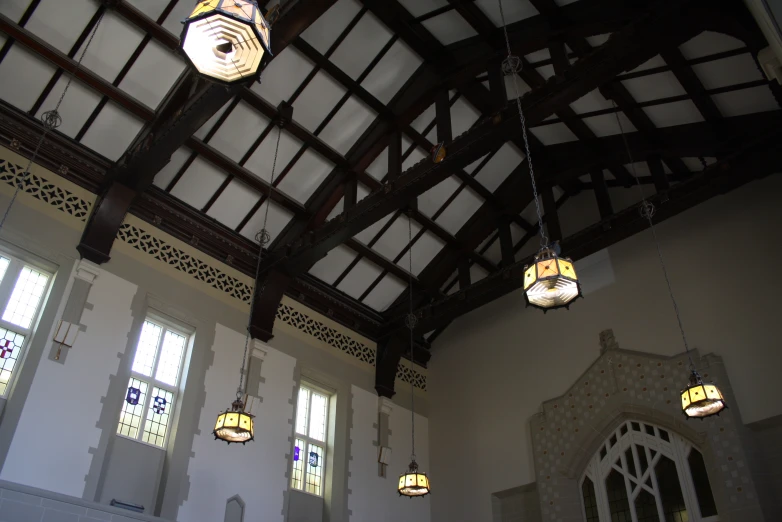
(263, 239)
(647, 211)
(511, 66)
(411, 320)
(51, 119)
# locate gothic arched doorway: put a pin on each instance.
(645, 473)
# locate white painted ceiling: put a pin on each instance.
(108, 129)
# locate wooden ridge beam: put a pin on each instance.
(627, 49)
(759, 157)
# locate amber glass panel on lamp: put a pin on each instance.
(547, 268)
(702, 400)
(530, 276)
(566, 268)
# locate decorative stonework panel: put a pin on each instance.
(44, 190)
(146, 242)
(622, 385)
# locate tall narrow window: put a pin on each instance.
(22, 290)
(309, 453)
(151, 394)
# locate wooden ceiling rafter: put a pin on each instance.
(383, 375)
(758, 156)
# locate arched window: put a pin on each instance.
(644, 473)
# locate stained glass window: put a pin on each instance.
(297, 477)
(133, 409)
(159, 353)
(311, 429)
(23, 287)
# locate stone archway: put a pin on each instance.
(622, 385)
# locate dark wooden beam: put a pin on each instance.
(602, 196)
(351, 192)
(661, 183)
(395, 156)
(759, 157)
(692, 84)
(506, 244)
(499, 93)
(559, 56)
(187, 107)
(87, 169)
(463, 273)
(443, 117)
(626, 50)
(389, 353)
(553, 228)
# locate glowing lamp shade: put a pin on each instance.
(234, 425)
(551, 281)
(701, 400)
(227, 40)
(413, 483)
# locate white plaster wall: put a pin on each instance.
(58, 424)
(371, 497)
(491, 369)
(257, 470)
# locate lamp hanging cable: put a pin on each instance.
(50, 120)
(647, 211)
(412, 320)
(511, 66)
(264, 238)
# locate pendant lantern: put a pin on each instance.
(227, 41)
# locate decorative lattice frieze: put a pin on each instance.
(44, 190)
(145, 241)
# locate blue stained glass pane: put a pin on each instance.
(133, 396)
(159, 405)
(296, 454)
(313, 459)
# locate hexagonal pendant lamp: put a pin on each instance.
(227, 41)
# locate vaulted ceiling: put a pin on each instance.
(374, 84)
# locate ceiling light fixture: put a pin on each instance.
(699, 399)
(412, 483)
(235, 424)
(550, 282)
(227, 40)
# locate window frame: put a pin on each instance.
(677, 449)
(18, 261)
(167, 325)
(310, 441)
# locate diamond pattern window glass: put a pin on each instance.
(170, 358)
(156, 374)
(146, 350)
(309, 455)
(4, 262)
(299, 454)
(644, 473)
(22, 290)
(132, 409)
(28, 292)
